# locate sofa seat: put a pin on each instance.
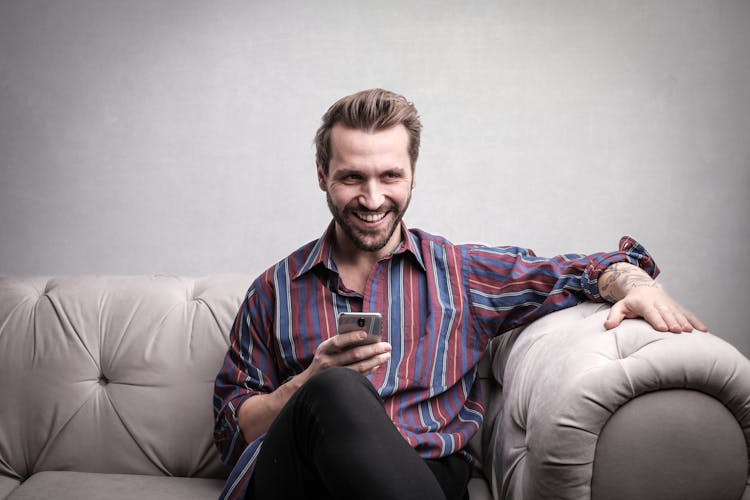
(70, 485)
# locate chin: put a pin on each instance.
(375, 242)
(368, 243)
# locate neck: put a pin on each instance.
(346, 253)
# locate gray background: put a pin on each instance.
(176, 137)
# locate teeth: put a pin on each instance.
(371, 217)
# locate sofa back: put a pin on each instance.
(112, 374)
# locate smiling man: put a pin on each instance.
(304, 412)
(368, 184)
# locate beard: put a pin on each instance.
(360, 238)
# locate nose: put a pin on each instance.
(372, 196)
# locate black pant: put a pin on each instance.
(334, 440)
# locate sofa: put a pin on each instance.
(106, 385)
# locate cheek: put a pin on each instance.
(401, 195)
(341, 195)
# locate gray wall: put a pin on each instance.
(176, 137)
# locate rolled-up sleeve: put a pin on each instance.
(510, 286)
(248, 369)
(629, 251)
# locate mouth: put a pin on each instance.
(370, 217)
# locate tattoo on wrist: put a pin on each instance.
(619, 278)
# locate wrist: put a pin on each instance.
(256, 413)
(621, 278)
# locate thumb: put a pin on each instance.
(616, 315)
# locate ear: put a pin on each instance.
(321, 178)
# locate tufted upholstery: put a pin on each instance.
(111, 378)
(564, 378)
(106, 383)
(111, 374)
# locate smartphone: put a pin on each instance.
(370, 322)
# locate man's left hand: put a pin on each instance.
(635, 294)
(655, 306)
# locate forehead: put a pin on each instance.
(353, 146)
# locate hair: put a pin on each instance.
(369, 110)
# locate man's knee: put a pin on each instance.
(337, 381)
(340, 390)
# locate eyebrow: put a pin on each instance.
(398, 169)
(344, 171)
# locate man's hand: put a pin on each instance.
(348, 350)
(257, 413)
(636, 295)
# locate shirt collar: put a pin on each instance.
(410, 244)
(322, 251)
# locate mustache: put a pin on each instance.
(357, 207)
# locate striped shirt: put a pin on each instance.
(441, 304)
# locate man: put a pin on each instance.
(394, 421)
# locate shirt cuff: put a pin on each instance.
(227, 433)
(629, 251)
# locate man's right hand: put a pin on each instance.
(256, 414)
(349, 350)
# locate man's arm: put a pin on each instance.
(249, 393)
(258, 412)
(636, 295)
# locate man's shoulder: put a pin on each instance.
(290, 266)
(421, 238)
(480, 250)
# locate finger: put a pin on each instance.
(681, 316)
(682, 319)
(693, 319)
(369, 365)
(674, 318)
(668, 315)
(655, 319)
(344, 341)
(616, 315)
(360, 353)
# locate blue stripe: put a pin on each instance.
(393, 330)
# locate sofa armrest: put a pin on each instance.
(561, 380)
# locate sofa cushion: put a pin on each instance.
(7, 485)
(94, 364)
(83, 485)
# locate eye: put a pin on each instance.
(392, 175)
(351, 178)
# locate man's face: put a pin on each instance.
(368, 186)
